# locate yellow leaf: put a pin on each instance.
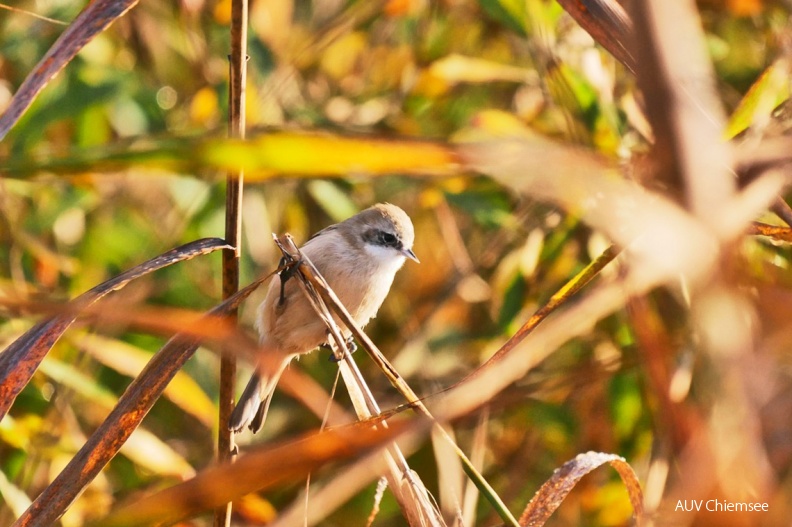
(16, 433)
(255, 509)
(459, 68)
(272, 22)
(746, 7)
(204, 107)
(769, 90)
(222, 12)
(14, 497)
(129, 360)
(430, 85)
(146, 450)
(494, 123)
(341, 56)
(322, 155)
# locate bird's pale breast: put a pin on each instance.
(294, 327)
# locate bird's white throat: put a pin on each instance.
(386, 259)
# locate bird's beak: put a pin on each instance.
(411, 255)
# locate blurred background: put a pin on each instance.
(489, 258)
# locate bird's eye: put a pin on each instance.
(387, 238)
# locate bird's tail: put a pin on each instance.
(253, 405)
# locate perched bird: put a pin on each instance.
(359, 258)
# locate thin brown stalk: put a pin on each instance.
(782, 210)
(657, 352)
(233, 234)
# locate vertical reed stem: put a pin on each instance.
(234, 185)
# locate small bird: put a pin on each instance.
(359, 258)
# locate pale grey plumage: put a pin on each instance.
(359, 258)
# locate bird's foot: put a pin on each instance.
(285, 274)
(351, 346)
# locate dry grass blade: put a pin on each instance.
(450, 477)
(558, 299)
(782, 209)
(326, 497)
(92, 21)
(382, 485)
(20, 359)
(607, 23)
(563, 480)
(218, 331)
(677, 74)
(783, 234)
(477, 453)
(660, 238)
(655, 347)
(686, 114)
(260, 469)
(132, 407)
(129, 360)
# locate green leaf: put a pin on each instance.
(770, 90)
(511, 13)
(333, 200)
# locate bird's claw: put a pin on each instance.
(351, 346)
(285, 274)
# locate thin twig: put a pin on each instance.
(34, 15)
(233, 232)
(325, 419)
(782, 210)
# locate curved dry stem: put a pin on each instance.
(127, 415)
(22, 357)
(564, 479)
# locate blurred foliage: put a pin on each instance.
(407, 68)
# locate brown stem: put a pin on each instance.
(234, 186)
